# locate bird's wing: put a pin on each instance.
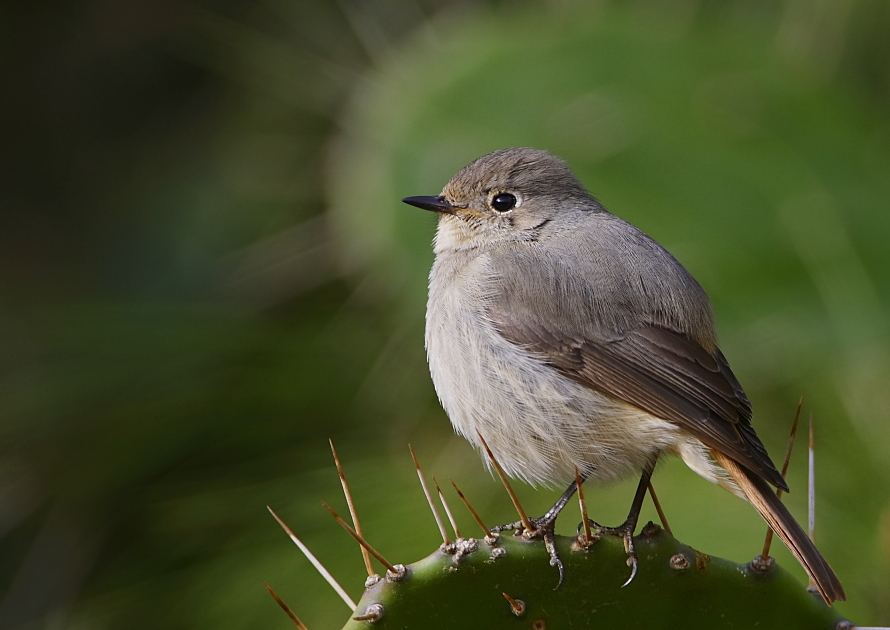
(658, 370)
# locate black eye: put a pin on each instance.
(503, 202)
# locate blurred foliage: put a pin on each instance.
(206, 273)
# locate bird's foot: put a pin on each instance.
(626, 531)
(543, 528)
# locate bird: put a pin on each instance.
(568, 340)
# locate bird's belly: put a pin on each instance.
(539, 424)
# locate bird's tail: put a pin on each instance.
(774, 512)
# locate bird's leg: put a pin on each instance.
(545, 527)
(626, 529)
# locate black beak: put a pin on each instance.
(436, 204)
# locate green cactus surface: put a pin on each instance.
(463, 585)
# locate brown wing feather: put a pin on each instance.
(662, 372)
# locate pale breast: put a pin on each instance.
(539, 424)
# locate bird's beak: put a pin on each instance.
(436, 204)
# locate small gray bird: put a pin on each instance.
(566, 338)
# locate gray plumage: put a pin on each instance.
(567, 337)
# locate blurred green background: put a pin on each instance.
(206, 272)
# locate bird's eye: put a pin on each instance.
(503, 202)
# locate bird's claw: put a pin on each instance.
(626, 531)
(549, 537)
(542, 528)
